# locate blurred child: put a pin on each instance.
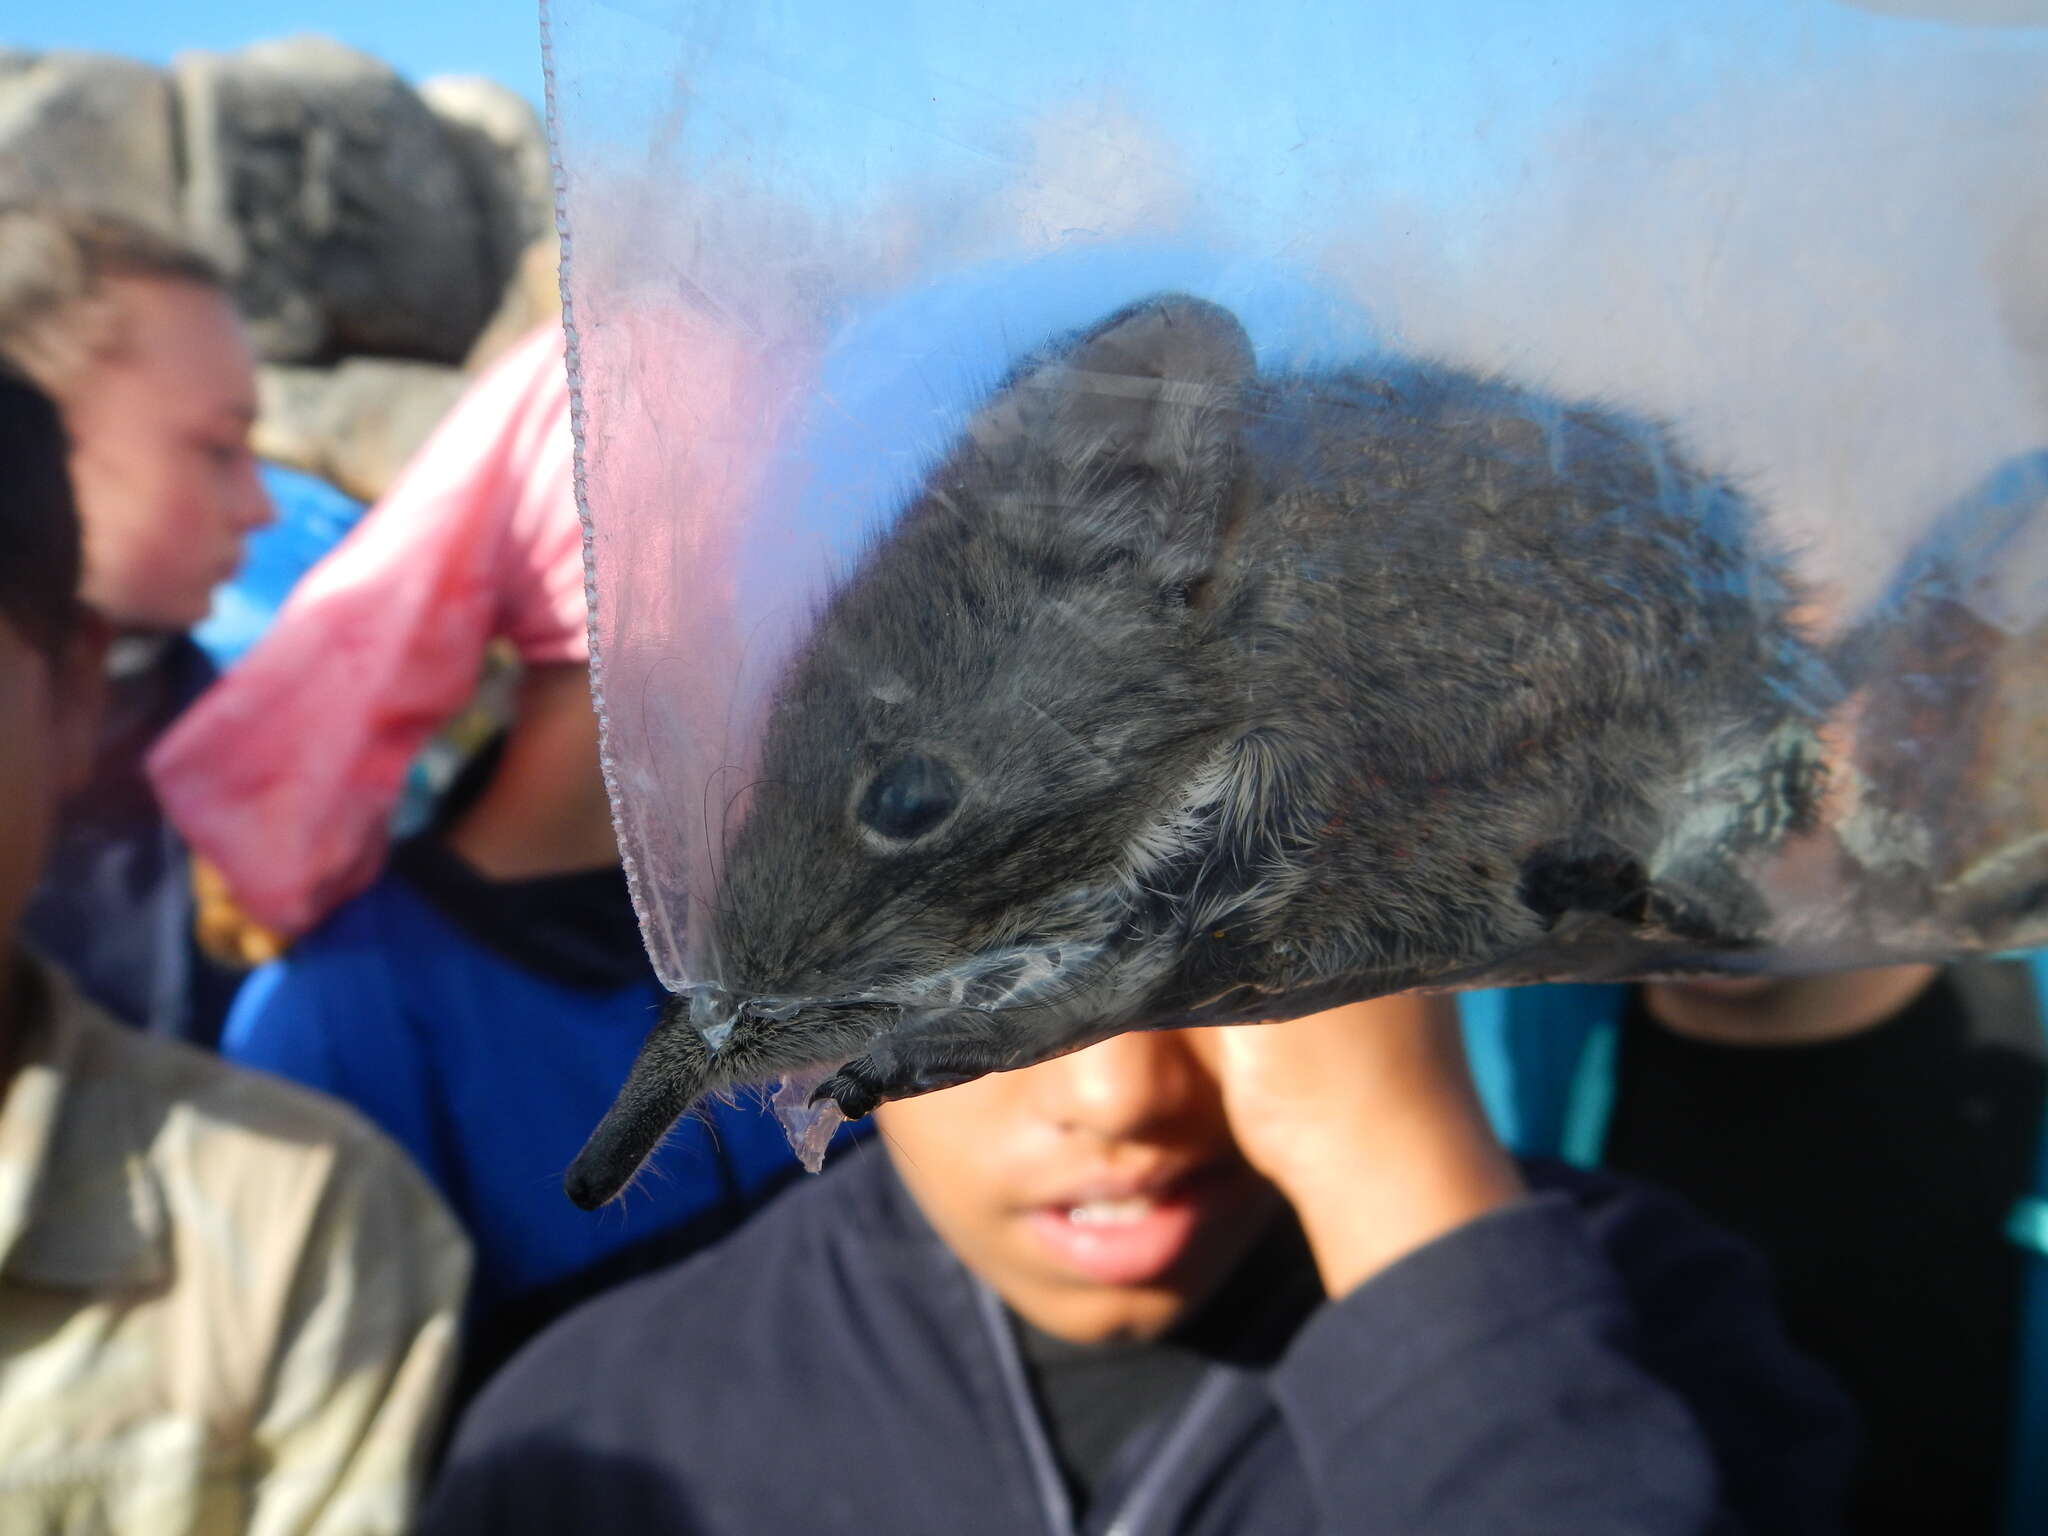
(1271, 1278)
(225, 1304)
(137, 341)
(480, 991)
(1880, 1135)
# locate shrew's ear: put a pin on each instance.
(1125, 440)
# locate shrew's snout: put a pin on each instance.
(672, 1071)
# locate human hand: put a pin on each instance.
(1366, 1119)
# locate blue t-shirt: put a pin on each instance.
(492, 1075)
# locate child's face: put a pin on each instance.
(167, 486)
(1100, 1194)
(47, 716)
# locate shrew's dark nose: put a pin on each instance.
(909, 798)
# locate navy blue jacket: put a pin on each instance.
(1591, 1360)
(1545, 1060)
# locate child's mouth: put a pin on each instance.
(1134, 1237)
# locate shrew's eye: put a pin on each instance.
(909, 798)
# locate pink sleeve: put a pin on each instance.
(541, 605)
(284, 775)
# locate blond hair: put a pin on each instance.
(57, 314)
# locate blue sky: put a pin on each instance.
(419, 38)
(1772, 221)
(1448, 102)
(500, 38)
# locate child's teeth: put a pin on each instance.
(1098, 1213)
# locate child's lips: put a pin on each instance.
(1125, 1232)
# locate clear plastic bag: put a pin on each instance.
(1105, 519)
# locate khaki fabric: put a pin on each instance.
(226, 1304)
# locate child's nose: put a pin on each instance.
(1123, 1087)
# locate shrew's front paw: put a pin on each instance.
(854, 1088)
(905, 1068)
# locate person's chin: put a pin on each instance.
(176, 618)
(155, 608)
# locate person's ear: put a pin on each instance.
(1124, 445)
(78, 690)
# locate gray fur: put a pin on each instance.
(1262, 694)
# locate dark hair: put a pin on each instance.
(39, 553)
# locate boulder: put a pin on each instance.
(339, 203)
(355, 425)
(90, 131)
(532, 299)
(374, 235)
(500, 137)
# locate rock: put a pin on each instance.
(87, 130)
(352, 215)
(506, 149)
(288, 424)
(340, 205)
(355, 425)
(532, 299)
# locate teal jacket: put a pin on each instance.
(1544, 1059)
